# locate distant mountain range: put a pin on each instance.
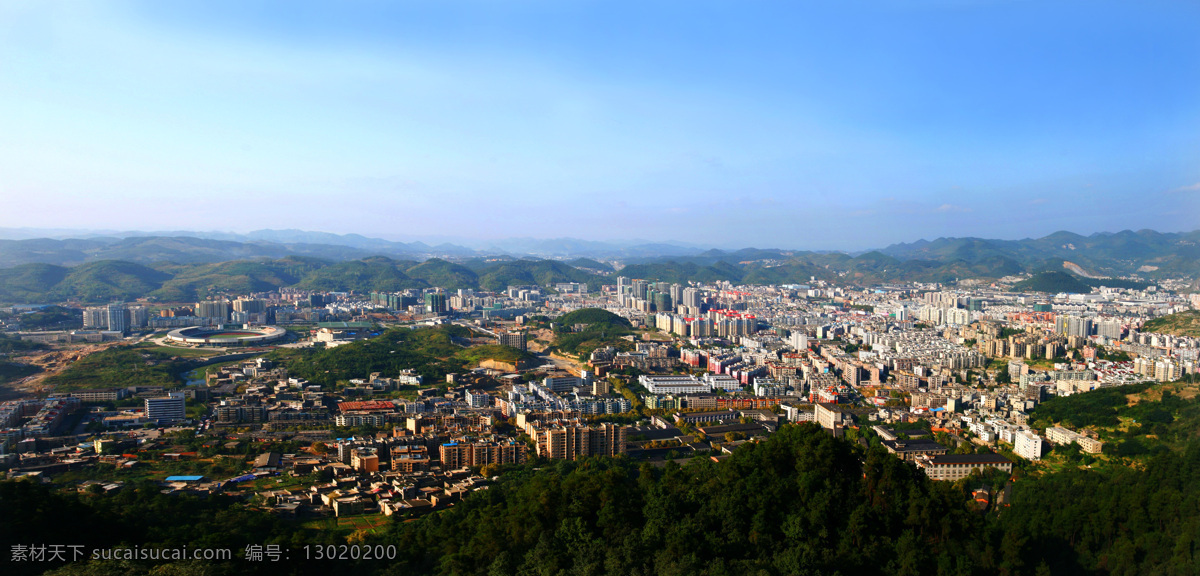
(270, 243)
(181, 268)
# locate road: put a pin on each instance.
(567, 364)
(466, 324)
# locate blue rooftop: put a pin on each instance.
(184, 478)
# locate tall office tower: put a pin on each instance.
(215, 309)
(622, 285)
(435, 303)
(117, 317)
(662, 302)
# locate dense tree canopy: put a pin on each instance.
(801, 502)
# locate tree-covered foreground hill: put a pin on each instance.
(801, 502)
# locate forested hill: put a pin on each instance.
(182, 268)
(110, 280)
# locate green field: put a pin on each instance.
(181, 352)
(120, 366)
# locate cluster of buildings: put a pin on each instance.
(738, 358)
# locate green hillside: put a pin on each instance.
(1053, 282)
(30, 282)
(197, 282)
(799, 502)
(589, 264)
(105, 281)
(431, 352)
(682, 272)
(591, 316)
(477, 354)
(1186, 323)
(602, 328)
(444, 274)
(374, 274)
(539, 272)
(109, 280)
(120, 366)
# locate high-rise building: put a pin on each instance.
(95, 318)
(1110, 329)
(249, 305)
(622, 285)
(139, 317)
(215, 309)
(117, 318)
(640, 289)
(435, 303)
(1073, 326)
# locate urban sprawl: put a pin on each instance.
(700, 370)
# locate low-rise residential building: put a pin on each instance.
(957, 466)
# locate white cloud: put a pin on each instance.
(1193, 188)
(952, 208)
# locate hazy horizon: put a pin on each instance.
(840, 127)
(7, 233)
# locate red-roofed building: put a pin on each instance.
(366, 405)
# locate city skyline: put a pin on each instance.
(730, 126)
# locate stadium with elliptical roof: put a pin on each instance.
(226, 337)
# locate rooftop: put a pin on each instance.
(969, 459)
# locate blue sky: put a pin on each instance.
(814, 125)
